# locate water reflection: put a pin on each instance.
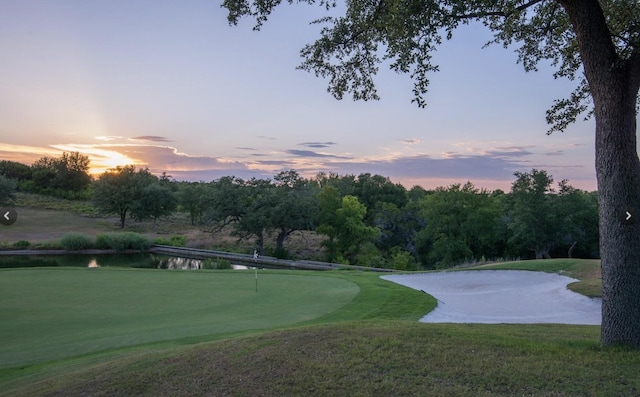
(178, 263)
(141, 260)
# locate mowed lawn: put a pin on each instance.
(52, 314)
(184, 339)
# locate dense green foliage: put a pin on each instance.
(138, 193)
(122, 241)
(7, 190)
(366, 219)
(76, 241)
(66, 176)
(399, 228)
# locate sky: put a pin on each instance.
(171, 86)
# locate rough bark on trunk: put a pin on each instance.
(613, 84)
(618, 174)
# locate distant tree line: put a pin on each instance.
(365, 220)
(64, 177)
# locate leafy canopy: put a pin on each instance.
(406, 32)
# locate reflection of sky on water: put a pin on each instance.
(170, 263)
(133, 260)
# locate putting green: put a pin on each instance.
(51, 314)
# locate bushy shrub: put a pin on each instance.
(76, 241)
(401, 260)
(217, 263)
(280, 253)
(22, 244)
(162, 241)
(178, 241)
(175, 241)
(122, 241)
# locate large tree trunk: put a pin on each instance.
(282, 235)
(613, 84)
(618, 173)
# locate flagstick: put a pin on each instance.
(255, 259)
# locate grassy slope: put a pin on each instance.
(372, 346)
(377, 359)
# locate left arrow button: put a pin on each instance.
(9, 216)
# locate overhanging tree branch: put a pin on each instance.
(505, 14)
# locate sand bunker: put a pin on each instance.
(502, 296)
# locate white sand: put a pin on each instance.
(502, 296)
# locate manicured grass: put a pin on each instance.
(371, 344)
(56, 320)
(51, 314)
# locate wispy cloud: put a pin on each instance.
(309, 153)
(109, 138)
(510, 151)
(494, 165)
(411, 141)
(276, 163)
(423, 166)
(317, 145)
(150, 138)
(24, 153)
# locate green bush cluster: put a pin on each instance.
(220, 264)
(22, 244)
(175, 241)
(76, 242)
(122, 241)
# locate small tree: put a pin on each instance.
(534, 222)
(118, 190)
(154, 201)
(61, 176)
(193, 198)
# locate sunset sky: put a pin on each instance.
(171, 86)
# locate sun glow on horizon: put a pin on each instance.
(100, 159)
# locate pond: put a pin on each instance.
(139, 260)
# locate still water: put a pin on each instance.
(141, 261)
